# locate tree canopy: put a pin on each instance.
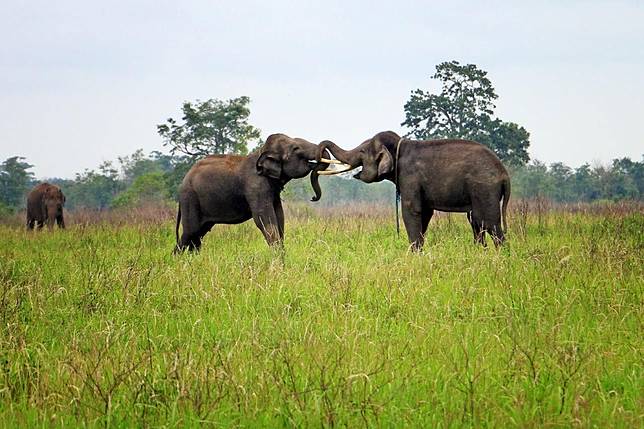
(15, 181)
(210, 127)
(464, 109)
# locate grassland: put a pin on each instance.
(102, 326)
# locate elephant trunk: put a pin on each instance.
(52, 214)
(315, 176)
(351, 157)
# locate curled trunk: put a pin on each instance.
(351, 157)
(315, 177)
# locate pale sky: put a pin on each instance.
(82, 82)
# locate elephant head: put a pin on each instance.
(285, 158)
(375, 156)
(53, 201)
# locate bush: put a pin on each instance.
(147, 188)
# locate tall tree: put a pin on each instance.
(210, 127)
(464, 109)
(95, 189)
(15, 181)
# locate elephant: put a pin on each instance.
(231, 189)
(45, 206)
(446, 175)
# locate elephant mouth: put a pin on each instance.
(335, 167)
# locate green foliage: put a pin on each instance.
(103, 327)
(5, 210)
(138, 164)
(464, 109)
(624, 179)
(337, 190)
(211, 127)
(466, 97)
(146, 188)
(94, 189)
(15, 181)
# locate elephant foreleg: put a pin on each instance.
(279, 213)
(427, 216)
(266, 220)
(413, 218)
(61, 221)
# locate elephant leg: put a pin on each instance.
(41, 224)
(475, 227)
(61, 221)
(478, 228)
(279, 213)
(492, 220)
(205, 229)
(478, 221)
(266, 220)
(412, 213)
(427, 214)
(191, 224)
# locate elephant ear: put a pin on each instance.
(385, 162)
(268, 165)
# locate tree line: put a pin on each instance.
(464, 108)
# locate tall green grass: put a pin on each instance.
(102, 326)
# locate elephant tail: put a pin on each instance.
(176, 228)
(505, 188)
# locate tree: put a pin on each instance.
(464, 109)
(137, 165)
(92, 189)
(146, 188)
(561, 178)
(532, 181)
(210, 127)
(508, 140)
(15, 181)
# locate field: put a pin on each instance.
(102, 326)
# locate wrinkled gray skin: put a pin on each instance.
(45, 206)
(445, 175)
(231, 189)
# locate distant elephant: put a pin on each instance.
(444, 175)
(45, 206)
(232, 189)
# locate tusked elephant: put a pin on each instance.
(231, 189)
(444, 175)
(45, 206)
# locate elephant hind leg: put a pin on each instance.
(191, 224)
(478, 229)
(496, 232)
(190, 240)
(486, 217)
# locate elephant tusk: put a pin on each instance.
(344, 168)
(330, 161)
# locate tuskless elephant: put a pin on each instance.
(45, 206)
(231, 189)
(445, 175)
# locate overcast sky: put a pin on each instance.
(84, 81)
